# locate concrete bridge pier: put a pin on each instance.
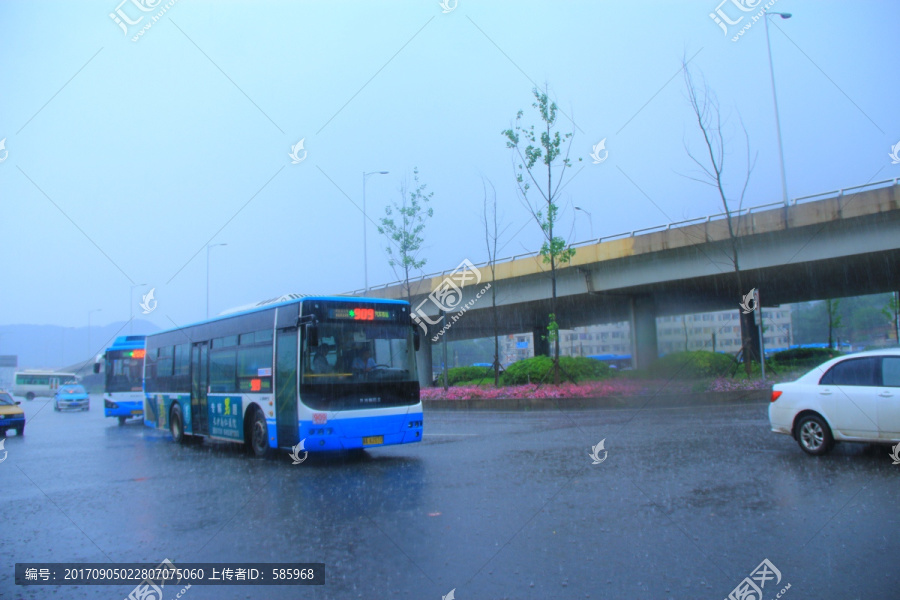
(540, 341)
(643, 331)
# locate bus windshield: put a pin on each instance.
(350, 351)
(124, 373)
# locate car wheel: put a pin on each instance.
(122, 420)
(20, 430)
(176, 424)
(29, 396)
(258, 431)
(814, 435)
(2, 432)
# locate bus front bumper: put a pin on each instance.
(370, 432)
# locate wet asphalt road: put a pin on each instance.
(494, 505)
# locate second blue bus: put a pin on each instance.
(123, 366)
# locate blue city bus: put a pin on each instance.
(314, 373)
(123, 366)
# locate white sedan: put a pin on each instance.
(853, 398)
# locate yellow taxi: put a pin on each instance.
(11, 416)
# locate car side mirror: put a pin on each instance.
(96, 367)
(18, 402)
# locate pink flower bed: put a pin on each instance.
(592, 389)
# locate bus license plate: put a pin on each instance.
(372, 440)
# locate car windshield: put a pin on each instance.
(72, 389)
(6, 399)
(350, 351)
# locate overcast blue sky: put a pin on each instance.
(125, 159)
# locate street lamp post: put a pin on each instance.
(590, 220)
(784, 192)
(365, 244)
(207, 274)
(131, 306)
(89, 329)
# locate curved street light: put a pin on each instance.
(784, 192)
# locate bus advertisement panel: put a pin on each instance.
(332, 373)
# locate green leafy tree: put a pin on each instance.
(835, 319)
(541, 159)
(891, 310)
(403, 224)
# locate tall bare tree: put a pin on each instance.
(551, 149)
(491, 237)
(405, 232)
(708, 116)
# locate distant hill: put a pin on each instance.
(56, 347)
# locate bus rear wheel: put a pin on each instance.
(258, 435)
(29, 396)
(176, 424)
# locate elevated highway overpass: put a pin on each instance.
(841, 243)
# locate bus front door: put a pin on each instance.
(286, 424)
(199, 388)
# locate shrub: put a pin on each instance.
(539, 369)
(803, 357)
(457, 375)
(693, 365)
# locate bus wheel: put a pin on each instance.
(258, 442)
(176, 424)
(29, 396)
(122, 420)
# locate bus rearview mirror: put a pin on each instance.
(417, 340)
(312, 335)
